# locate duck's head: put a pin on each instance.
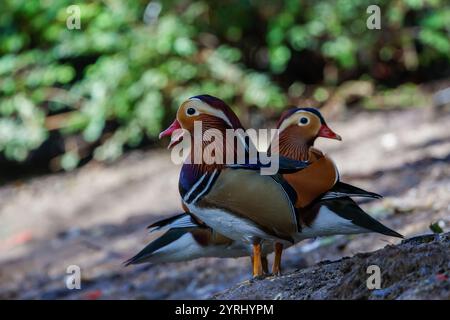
(304, 125)
(211, 111)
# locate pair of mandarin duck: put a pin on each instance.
(234, 211)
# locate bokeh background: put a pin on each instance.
(82, 171)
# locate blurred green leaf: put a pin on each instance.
(123, 74)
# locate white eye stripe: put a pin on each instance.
(292, 121)
(203, 107)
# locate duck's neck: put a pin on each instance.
(293, 147)
(213, 149)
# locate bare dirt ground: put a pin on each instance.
(95, 217)
(415, 269)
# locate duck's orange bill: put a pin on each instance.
(175, 137)
(326, 132)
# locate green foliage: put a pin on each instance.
(135, 74)
(337, 29)
(121, 76)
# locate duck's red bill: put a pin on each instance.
(175, 133)
(326, 132)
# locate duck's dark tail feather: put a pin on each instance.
(146, 254)
(348, 209)
(182, 220)
(342, 190)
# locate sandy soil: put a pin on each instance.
(95, 217)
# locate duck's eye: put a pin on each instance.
(303, 121)
(191, 111)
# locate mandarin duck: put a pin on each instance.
(323, 204)
(332, 211)
(241, 204)
(187, 238)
